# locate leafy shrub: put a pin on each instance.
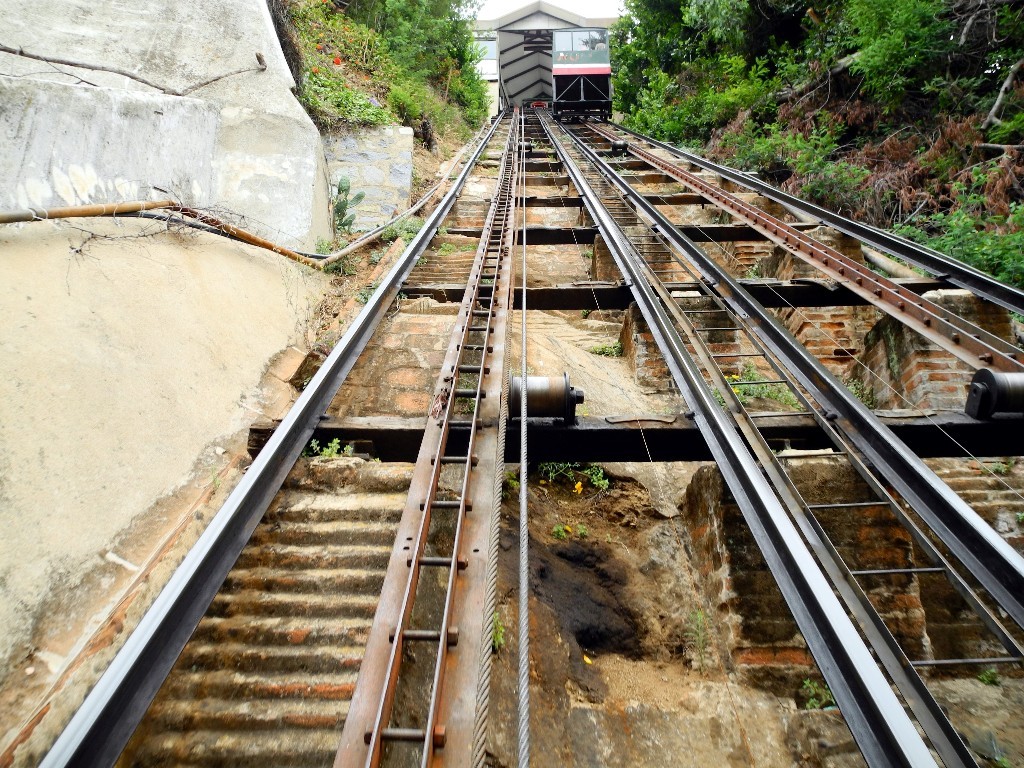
(973, 234)
(819, 695)
(405, 228)
(897, 41)
(607, 350)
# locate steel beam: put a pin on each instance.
(642, 437)
(777, 294)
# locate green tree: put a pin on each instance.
(898, 44)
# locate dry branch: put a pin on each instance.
(1004, 90)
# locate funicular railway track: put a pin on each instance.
(357, 627)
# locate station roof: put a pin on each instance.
(524, 46)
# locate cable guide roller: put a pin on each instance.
(546, 396)
(994, 392)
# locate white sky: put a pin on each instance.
(493, 9)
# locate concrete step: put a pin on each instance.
(289, 748)
(231, 714)
(316, 558)
(276, 659)
(356, 507)
(334, 580)
(330, 532)
(286, 630)
(256, 603)
(226, 684)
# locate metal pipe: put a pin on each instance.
(245, 237)
(76, 211)
(118, 209)
(880, 260)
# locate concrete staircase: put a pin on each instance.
(267, 677)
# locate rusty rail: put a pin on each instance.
(969, 343)
(473, 353)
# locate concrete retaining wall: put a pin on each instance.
(189, 112)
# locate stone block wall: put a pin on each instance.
(910, 371)
(378, 163)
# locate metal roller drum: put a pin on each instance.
(994, 392)
(546, 396)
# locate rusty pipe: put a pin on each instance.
(115, 209)
(244, 236)
(70, 212)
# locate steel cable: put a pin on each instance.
(524, 529)
(483, 696)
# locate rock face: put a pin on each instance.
(185, 100)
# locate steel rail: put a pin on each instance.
(497, 222)
(103, 724)
(934, 262)
(971, 344)
(882, 729)
(989, 558)
(930, 716)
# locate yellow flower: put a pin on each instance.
(578, 488)
(587, 659)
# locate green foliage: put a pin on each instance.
(971, 233)
(561, 532)
(746, 387)
(405, 228)
(596, 476)
(346, 265)
(721, 20)
(329, 99)
(862, 392)
(989, 676)
(388, 60)
(819, 696)
(344, 217)
(497, 633)
(510, 485)
(898, 43)
(571, 471)
(688, 110)
(332, 450)
(607, 350)
(819, 178)
(698, 637)
(552, 470)
(1002, 467)
(363, 294)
